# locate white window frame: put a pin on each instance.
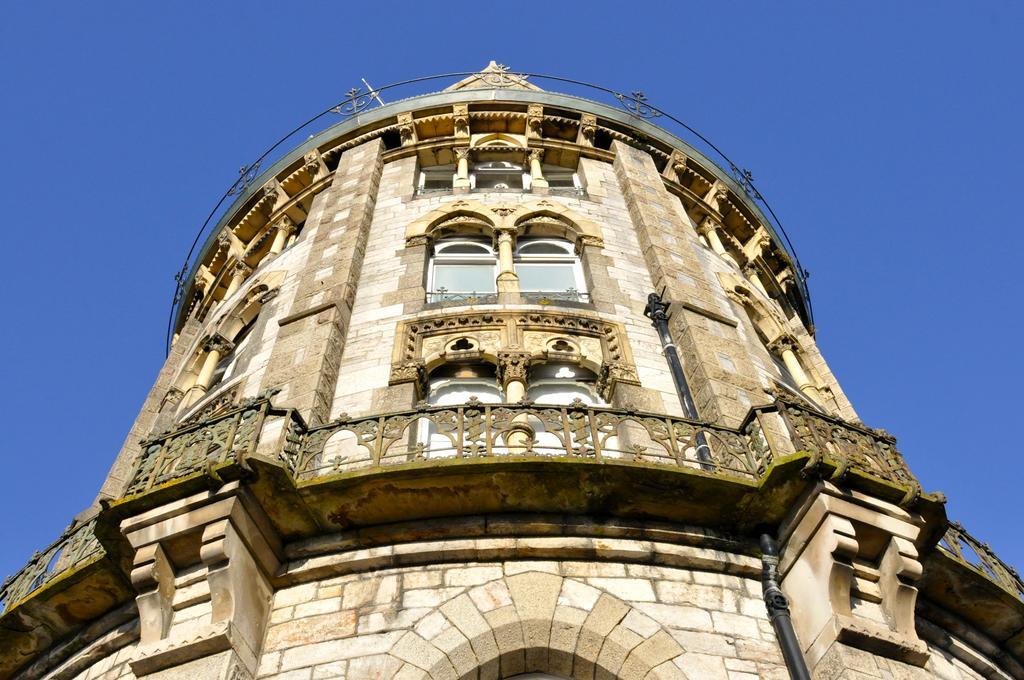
(439, 257)
(550, 170)
(422, 182)
(476, 169)
(569, 257)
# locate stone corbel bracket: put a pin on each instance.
(850, 568)
(224, 536)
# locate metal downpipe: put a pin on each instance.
(777, 604)
(657, 312)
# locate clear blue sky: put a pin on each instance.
(886, 135)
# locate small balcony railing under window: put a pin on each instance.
(499, 176)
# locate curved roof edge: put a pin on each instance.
(371, 116)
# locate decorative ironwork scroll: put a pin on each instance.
(199, 446)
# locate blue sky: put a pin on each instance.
(885, 135)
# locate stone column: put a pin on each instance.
(536, 173)
(216, 347)
(461, 169)
(240, 274)
(750, 271)
(508, 281)
(512, 369)
(708, 228)
(284, 228)
(784, 346)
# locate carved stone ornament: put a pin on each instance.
(218, 343)
(513, 365)
(782, 344)
(707, 225)
(850, 568)
(285, 224)
(613, 373)
(461, 153)
(535, 154)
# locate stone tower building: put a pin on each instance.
(421, 418)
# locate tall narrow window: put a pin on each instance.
(549, 268)
(462, 269)
(227, 367)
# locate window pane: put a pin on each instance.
(464, 278)
(464, 249)
(543, 249)
(548, 277)
(562, 394)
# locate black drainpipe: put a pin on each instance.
(657, 312)
(777, 605)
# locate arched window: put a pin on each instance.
(549, 267)
(461, 268)
(455, 384)
(497, 176)
(227, 367)
(558, 384)
(561, 384)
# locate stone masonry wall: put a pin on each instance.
(572, 619)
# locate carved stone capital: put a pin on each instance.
(783, 343)
(586, 241)
(285, 224)
(535, 155)
(242, 270)
(218, 343)
(461, 153)
(612, 374)
(410, 372)
(513, 365)
(707, 225)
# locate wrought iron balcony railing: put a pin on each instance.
(535, 297)
(445, 296)
(576, 432)
(72, 549)
(972, 553)
(477, 430)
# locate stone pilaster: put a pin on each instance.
(307, 353)
(669, 244)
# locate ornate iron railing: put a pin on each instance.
(477, 430)
(547, 297)
(72, 549)
(226, 437)
(442, 296)
(973, 554)
(852, 446)
(525, 430)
